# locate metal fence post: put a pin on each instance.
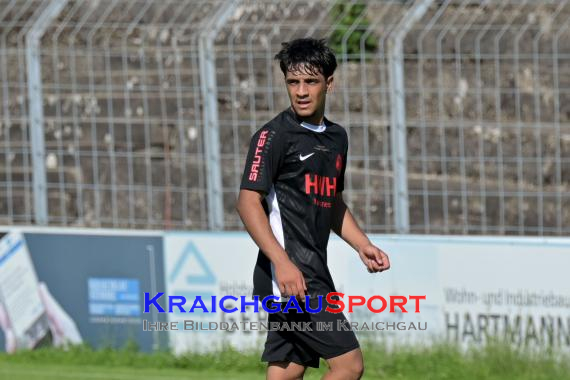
(211, 125)
(398, 115)
(36, 111)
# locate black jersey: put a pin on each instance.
(300, 171)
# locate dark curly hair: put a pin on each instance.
(307, 54)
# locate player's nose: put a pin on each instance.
(302, 90)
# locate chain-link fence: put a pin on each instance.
(138, 114)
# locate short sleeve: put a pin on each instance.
(263, 161)
(342, 161)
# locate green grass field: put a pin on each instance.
(441, 362)
(22, 371)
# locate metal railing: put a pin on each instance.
(138, 114)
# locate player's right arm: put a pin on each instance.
(263, 162)
(250, 209)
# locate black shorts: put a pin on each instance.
(307, 347)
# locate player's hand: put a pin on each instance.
(374, 258)
(290, 280)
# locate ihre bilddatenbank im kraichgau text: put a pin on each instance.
(335, 304)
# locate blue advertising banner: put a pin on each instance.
(92, 285)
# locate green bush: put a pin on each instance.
(352, 14)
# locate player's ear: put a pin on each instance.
(330, 83)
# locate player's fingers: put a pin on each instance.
(371, 265)
(282, 288)
(385, 261)
(293, 291)
(287, 292)
(377, 255)
(370, 256)
(376, 263)
(300, 290)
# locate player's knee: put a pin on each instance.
(352, 370)
(361, 371)
(356, 369)
(284, 371)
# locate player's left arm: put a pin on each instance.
(345, 226)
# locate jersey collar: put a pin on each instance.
(310, 127)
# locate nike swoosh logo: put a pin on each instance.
(303, 158)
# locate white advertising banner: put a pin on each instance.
(474, 287)
(19, 293)
(414, 272)
(211, 265)
(518, 290)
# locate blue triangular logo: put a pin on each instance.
(205, 277)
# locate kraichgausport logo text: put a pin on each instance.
(273, 304)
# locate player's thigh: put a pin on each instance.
(285, 371)
(351, 363)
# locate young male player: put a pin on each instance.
(290, 199)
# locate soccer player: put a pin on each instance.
(290, 199)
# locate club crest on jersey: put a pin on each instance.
(338, 163)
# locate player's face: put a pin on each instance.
(307, 92)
